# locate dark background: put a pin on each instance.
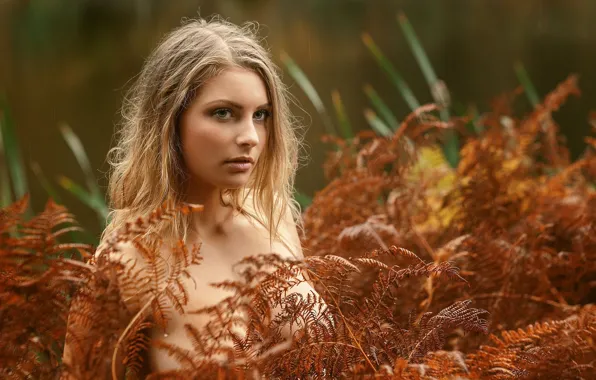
(71, 60)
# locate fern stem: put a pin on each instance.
(423, 240)
(377, 237)
(528, 297)
(428, 284)
(420, 342)
(79, 264)
(124, 333)
(344, 319)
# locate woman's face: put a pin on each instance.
(224, 131)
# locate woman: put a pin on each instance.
(207, 122)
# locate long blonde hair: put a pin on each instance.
(146, 164)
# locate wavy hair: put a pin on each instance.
(146, 165)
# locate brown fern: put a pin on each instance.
(36, 282)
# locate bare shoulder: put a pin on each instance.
(288, 245)
(289, 232)
(286, 242)
(127, 253)
(124, 260)
(135, 260)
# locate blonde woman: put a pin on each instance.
(207, 122)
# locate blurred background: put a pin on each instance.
(70, 62)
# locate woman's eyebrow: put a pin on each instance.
(234, 104)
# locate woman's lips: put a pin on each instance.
(238, 166)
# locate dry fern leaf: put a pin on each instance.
(564, 347)
(36, 284)
(374, 232)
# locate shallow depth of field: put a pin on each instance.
(449, 196)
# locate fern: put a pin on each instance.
(408, 263)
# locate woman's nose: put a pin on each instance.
(248, 135)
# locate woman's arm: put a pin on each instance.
(289, 233)
(77, 359)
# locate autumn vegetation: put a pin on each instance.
(423, 271)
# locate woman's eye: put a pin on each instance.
(222, 113)
(262, 115)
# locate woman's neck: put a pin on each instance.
(216, 215)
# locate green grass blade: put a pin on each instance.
(52, 193)
(84, 196)
(473, 126)
(377, 124)
(77, 190)
(300, 77)
(475, 123)
(526, 82)
(380, 107)
(303, 200)
(344, 123)
(451, 148)
(439, 91)
(79, 236)
(75, 145)
(5, 190)
(395, 76)
(12, 154)
(417, 49)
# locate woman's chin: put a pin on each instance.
(232, 185)
(233, 180)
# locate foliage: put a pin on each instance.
(37, 281)
(12, 172)
(413, 261)
(387, 122)
(13, 178)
